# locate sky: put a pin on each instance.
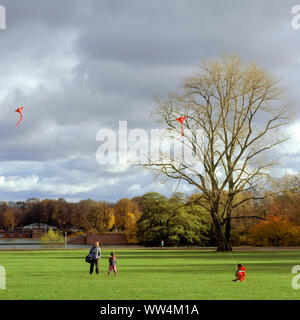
(81, 66)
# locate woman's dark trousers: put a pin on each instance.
(94, 262)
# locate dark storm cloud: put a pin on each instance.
(80, 66)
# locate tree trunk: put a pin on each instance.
(222, 245)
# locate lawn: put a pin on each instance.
(148, 274)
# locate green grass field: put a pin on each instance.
(148, 274)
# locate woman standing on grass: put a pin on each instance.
(95, 255)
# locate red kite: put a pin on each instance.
(20, 111)
(181, 119)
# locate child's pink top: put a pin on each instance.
(112, 260)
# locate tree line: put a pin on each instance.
(273, 219)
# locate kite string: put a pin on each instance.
(84, 216)
(100, 244)
(231, 255)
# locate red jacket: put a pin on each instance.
(241, 273)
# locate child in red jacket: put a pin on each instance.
(240, 273)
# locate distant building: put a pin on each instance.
(72, 229)
(38, 227)
(33, 200)
(12, 204)
(21, 204)
(8, 203)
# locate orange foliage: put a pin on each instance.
(275, 231)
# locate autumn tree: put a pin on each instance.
(52, 239)
(83, 213)
(9, 219)
(121, 208)
(234, 113)
(131, 228)
(101, 216)
(112, 220)
(285, 197)
(275, 231)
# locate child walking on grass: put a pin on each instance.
(240, 273)
(112, 264)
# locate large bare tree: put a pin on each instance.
(234, 113)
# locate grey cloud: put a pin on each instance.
(80, 66)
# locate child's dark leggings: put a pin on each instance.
(94, 262)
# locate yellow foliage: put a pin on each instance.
(52, 238)
(111, 221)
(131, 228)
